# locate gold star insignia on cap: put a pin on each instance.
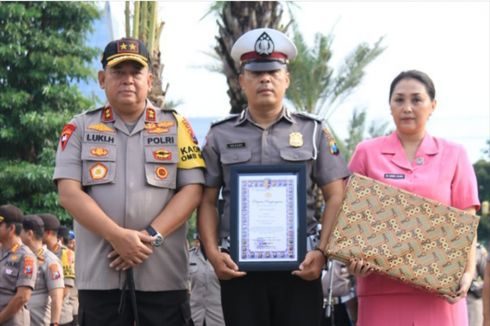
(124, 46)
(132, 46)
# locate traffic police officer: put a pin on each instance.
(47, 297)
(67, 258)
(268, 133)
(18, 269)
(130, 174)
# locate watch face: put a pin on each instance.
(158, 240)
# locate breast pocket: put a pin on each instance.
(98, 163)
(235, 156)
(10, 273)
(296, 154)
(161, 166)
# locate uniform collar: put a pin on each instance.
(12, 250)
(40, 253)
(107, 114)
(149, 116)
(393, 146)
(150, 112)
(245, 115)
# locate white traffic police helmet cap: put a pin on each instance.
(263, 49)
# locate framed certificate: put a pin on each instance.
(268, 216)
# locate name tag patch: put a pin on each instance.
(160, 140)
(99, 138)
(236, 145)
(396, 176)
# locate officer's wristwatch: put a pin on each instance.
(157, 237)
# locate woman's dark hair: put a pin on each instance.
(417, 75)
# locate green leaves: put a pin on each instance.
(42, 54)
(316, 86)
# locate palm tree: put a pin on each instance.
(236, 18)
(147, 29)
(316, 87)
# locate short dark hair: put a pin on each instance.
(417, 75)
(35, 224)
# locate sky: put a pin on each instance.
(450, 41)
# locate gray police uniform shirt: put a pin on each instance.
(205, 297)
(18, 267)
(49, 277)
(293, 138)
(131, 176)
(67, 258)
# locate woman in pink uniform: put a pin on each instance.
(411, 159)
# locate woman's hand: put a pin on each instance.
(464, 286)
(359, 268)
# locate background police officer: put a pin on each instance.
(47, 297)
(18, 269)
(268, 133)
(205, 289)
(66, 239)
(130, 174)
(67, 258)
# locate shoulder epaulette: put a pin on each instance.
(168, 109)
(308, 115)
(92, 111)
(228, 118)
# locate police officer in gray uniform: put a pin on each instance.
(130, 174)
(268, 133)
(47, 297)
(205, 290)
(67, 258)
(18, 269)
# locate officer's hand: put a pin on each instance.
(131, 246)
(464, 286)
(224, 267)
(359, 268)
(311, 267)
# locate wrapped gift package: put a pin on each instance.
(403, 235)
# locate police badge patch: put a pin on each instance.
(264, 45)
(66, 133)
(98, 171)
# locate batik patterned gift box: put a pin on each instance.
(403, 235)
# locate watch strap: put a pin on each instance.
(151, 231)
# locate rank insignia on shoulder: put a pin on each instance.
(161, 172)
(98, 171)
(107, 114)
(66, 133)
(295, 139)
(98, 151)
(150, 115)
(100, 127)
(332, 145)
